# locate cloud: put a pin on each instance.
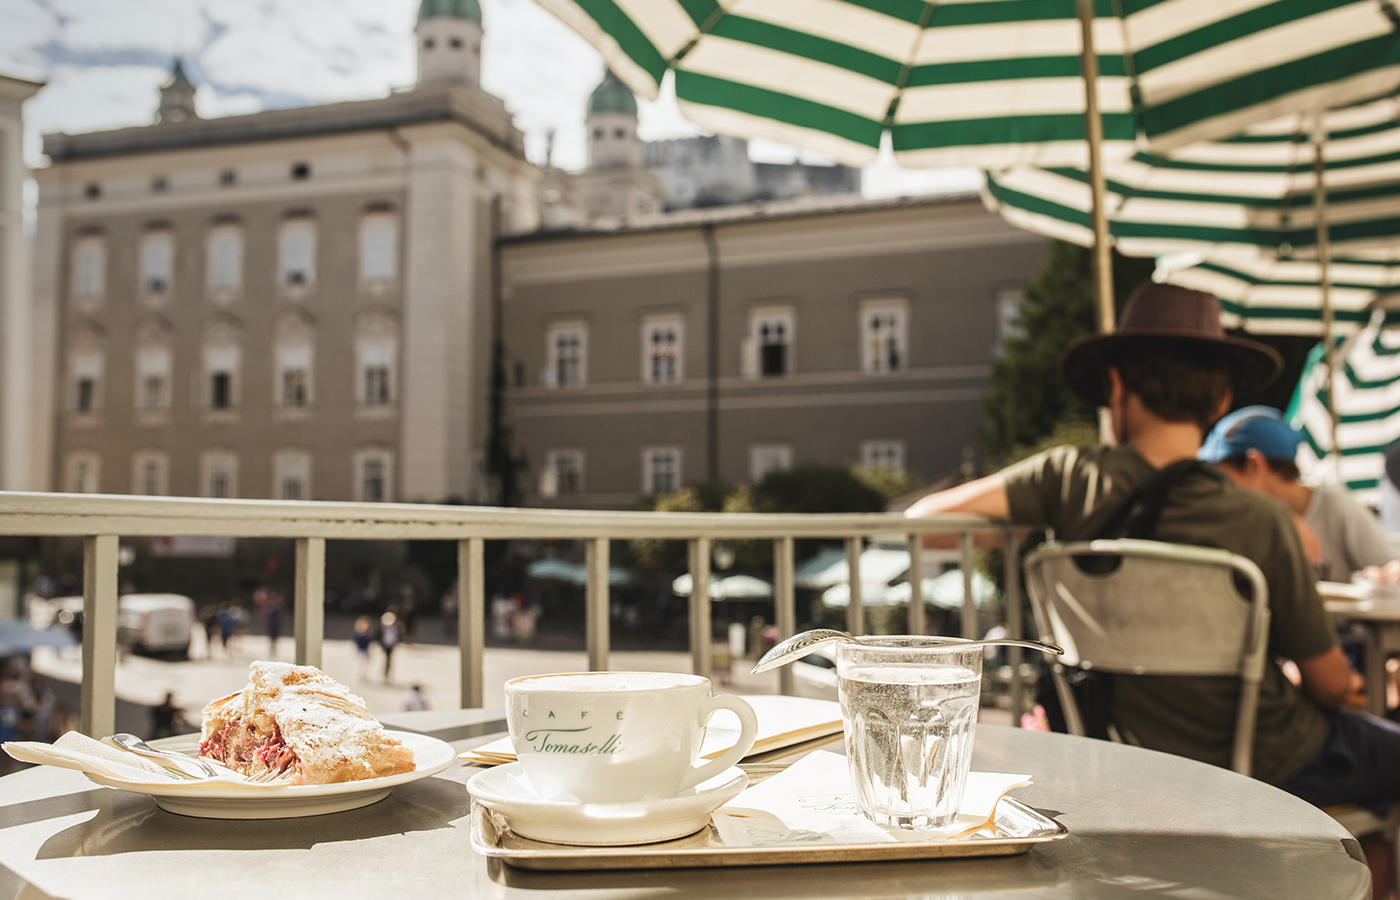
(27, 27)
(91, 98)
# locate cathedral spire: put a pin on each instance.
(177, 96)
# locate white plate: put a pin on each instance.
(238, 801)
(505, 790)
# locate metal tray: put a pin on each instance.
(1018, 829)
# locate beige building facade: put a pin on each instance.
(722, 344)
(281, 304)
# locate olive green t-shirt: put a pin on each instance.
(1074, 489)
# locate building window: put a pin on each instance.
(372, 476)
(376, 349)
(86, 388)
(85, 367)
(150, 474)
(882, 455)
(160, 184)
(563, 473)
(225, 261)
(89, 270)
(1008, 318)
(661, 470)
(661, 350)
(157, 263)
(93, 190)
(153, 372)
(768, 350)
(568, 355)
(293, 360)
(379, 241)
(291, 475)
(301, 171)
(228, 178)
(222, 360)
(82, 471)
(219, 474)
(767, 458)
(298, 254)
(883, 336)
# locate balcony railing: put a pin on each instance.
(102, 520)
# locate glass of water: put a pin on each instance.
(910, 710)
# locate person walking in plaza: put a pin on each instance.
(388, 639)
(364, 638)
(1167, 375)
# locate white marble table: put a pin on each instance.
(1141, 823)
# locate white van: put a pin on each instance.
(155, 623)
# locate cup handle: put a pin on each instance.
(748, 733)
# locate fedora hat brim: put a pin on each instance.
(1084, 363)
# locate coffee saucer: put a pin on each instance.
(506, 791)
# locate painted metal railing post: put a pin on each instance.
(596, 604)
(309, 601)
(98, 711)
(784, 605)
(471, 620)
(855, 609)
(969, 607)
(701, 641)
(1014, 624)
(915, 545)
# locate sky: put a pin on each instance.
(105, 59)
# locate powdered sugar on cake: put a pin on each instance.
(300, 720)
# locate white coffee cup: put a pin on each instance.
(616, 737)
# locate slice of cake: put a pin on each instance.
(297, 719)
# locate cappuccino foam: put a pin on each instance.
(593, 682)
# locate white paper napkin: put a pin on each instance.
(812, 802)
(78, 751)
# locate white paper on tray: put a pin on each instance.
(811, 802)
(781, 721)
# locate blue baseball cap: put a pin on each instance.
(1259, 428)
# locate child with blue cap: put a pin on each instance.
(1256, 448)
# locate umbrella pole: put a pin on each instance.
(1324, 265)
(1093, 133)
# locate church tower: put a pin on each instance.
(614, 182)
(176, 97)
(611, 121)
(449, 42)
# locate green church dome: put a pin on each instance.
(612, 96)
(459, 9)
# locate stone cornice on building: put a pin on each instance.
(12, 88)
(744, 213)
(469, 106)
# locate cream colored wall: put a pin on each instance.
(16, 324)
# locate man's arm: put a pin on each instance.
(1329, 678)
(986, 496)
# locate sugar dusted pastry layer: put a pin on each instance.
(299, 720)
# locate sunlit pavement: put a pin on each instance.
(434, 666)
(145, 681)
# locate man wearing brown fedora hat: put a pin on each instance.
(1166, 375)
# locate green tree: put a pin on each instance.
(1025, 399)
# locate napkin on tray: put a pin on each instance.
(78, 751)
(782, 722)
(811, 802)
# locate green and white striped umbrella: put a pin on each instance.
(1255, 191)
(1367, 392)
(1268, 295)
(991, 83)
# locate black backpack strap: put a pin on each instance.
(1136, 516)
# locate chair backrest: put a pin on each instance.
(1151, 608)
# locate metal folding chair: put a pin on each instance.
(1150, 608)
